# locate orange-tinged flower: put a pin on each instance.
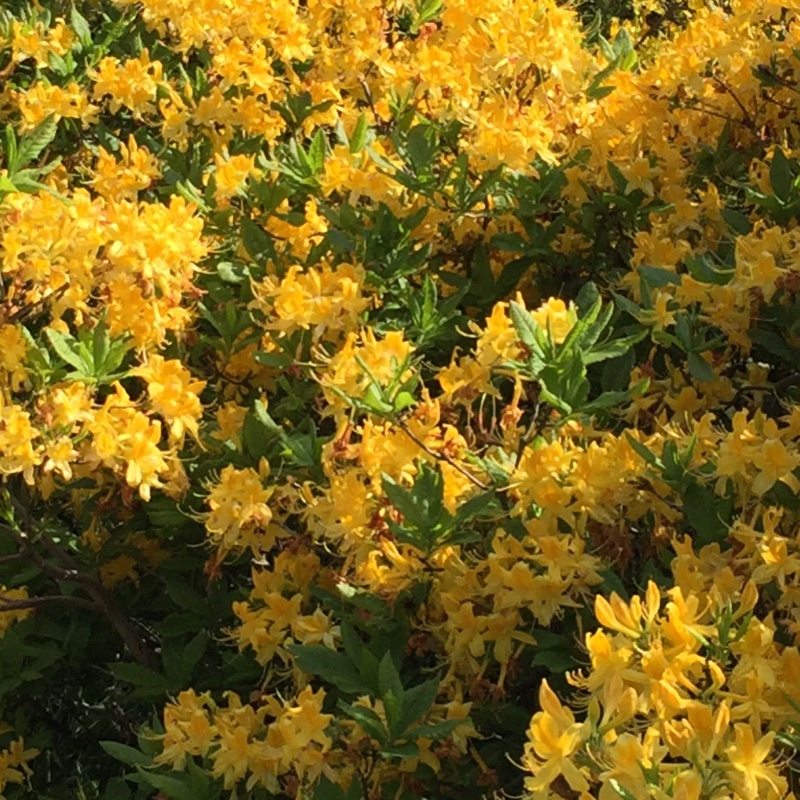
(173, 393)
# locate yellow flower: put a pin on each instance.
(123, 177)
(230, 174)
(60, 455)
(776, 463)
(639, 175)
(230, 418)
(554, 315)
(553, 737)
(27, 41)
(174, 394)
(326, 300)
(132, 83)
(18, 453)
(617, 615)
(13, 350)
(748, 770)
(380, 359)
(660, 316)
(41, 100)
(14, 763)
(239, 516)
(117, 570)
(8, 618)
(139, 447)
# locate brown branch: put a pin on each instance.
(27, 551)
(441, 456)
(10, 559)
(8, 603)
(104, 601)
(107, 604)
(748, 119)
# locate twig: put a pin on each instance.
(104, 601)
(8, 603)
(11, 558)
(441, 456)
(748, 119)
(526, 437)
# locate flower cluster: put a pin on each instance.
(376, 368)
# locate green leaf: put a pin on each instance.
(699, 368)
(436, 730)
(7, 186)
(66, 348)
(702, 269)
(186, 597)
(531, 335)
(359, 138)
(401, 750)
(138, 675)
(620, 181)
(302, 446)
(316, 152)
(423, 505)
(32, 145)
(101, 345)
(556, 660)
(256, 240)
(622, 43)
(351, 641)
(81, 28)
(368, 720)
(402, 401)
(279, 360)
(116, 787)
(605, 400)
(626, 305)
(657, 277)
(10, 141)
(482, 505)
(391, 689)
(614, 349)
(124, 753)
(780, 175)
(702, 509)
(189, 192)
(421, 147)
(648, 455)
(328, 790)
(736, 221)
(588, 338)
(586, 324)
(427, 10)
(25, 181)
(587, 298)
(333, 667)
(174, 788)
(232, 273)
(374, 401)
(417, 703)
(187, 657)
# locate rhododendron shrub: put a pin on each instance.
(399, 399)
